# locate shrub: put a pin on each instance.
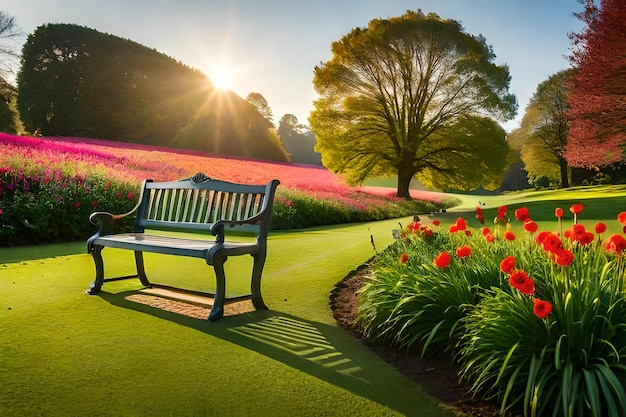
(536, 321)
(50, 206)
(417, 301)
(294, 209)
(560, 348)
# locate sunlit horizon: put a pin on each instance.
(221, 77)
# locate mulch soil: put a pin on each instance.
(437, 376)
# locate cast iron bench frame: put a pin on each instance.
(196, 204)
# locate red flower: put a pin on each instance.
(508, 235)
(490, 237)
(601, 227)
(502, 212)
(576, 232)
(1, 212)
(463, 251)
(522, 282)
(77, 204)
(129, 195)
(551, 242)
(479, 215)
(586, 238)
(486, 231)
(621, 217)
(522, 214)
(94, 203)
(507, 265)
(541, 236)
(576, 208)
(615, 243)
(530, 226)
(404, 258)
(541, 308)
(563, 257)
(436, 222)
(453, 228)
(442, 260)
(558, 212)
(460, 224)
(414, 227)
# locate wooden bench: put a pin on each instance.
(196, 204)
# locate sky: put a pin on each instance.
(271, 47)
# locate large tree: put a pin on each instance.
(544, 129)
(597, 113)
(413, 96)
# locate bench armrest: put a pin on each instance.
(218, 228)
(106, 222)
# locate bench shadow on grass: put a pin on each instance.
(315, 348)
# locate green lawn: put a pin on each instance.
(63, 353)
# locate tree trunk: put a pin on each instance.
(404, 180)
(563, 168)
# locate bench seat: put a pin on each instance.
(174, 246)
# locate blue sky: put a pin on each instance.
(272, 46)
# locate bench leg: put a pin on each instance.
(141, 271)
(255, 283)
(217, 312)
(96, 285)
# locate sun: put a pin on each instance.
(221, 78)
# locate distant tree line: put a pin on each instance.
(297, 139)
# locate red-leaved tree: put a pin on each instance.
(597, 115)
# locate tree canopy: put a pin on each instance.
(544, 129)
(260, 104)
(413, 95)
(597, 103)
(9, 33)
(75, 81)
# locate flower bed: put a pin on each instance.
(537, 320)
(49, 186)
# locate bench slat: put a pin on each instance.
(211, 207)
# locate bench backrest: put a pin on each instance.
(196, 203)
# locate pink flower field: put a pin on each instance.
(133, 163)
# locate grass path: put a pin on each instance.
(63, 353)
